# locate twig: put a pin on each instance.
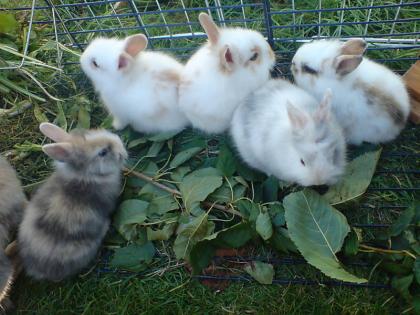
(387, 251)
(176, 192)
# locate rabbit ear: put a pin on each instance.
(135, 44)
(54, 132)
(227, 59)
(323, 112)
(211, 29)
(356, 46)
(298, 119)
(58, 151)
(347, 63)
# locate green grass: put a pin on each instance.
(174, 291)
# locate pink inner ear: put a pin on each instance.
(228, 56)
(122, 62)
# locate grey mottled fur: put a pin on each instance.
(12, 203)
(67, 218)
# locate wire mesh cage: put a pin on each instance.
(390, 28)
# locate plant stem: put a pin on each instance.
(176, 192)
(387, 251)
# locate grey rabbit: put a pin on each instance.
(68, 216)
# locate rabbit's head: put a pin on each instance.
(88, 153)
(319, 144)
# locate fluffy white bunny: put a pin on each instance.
(370, 102)
(139, 88)
(283, 131)
(222, 73)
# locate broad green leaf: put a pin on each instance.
(133, 257)
(262, 272)
(195, 187)
(263, 225)
(159, 200)
(351, 244)
(191, 233)
(184, 156)
(155, 149)
(136, 142)
(402, 285)
(248, 209)
(416, 269)
(281, 241)
(270, 189)
(130, 213)
(161, 234)
(226, 162)
(230, 191)
(402, 222)
(356, 179)
(178, 174)
(318, 231)
(276, 212)
(201, 255)
(163, 136)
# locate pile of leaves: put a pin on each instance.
(192, 195)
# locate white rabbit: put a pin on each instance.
(139, 88)
(222, 73)
(370, 102)
(283, 131)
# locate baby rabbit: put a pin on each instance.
(283, 131)
(370, 102)
(138, 87)
(222, 73)
(68, 216)
(12, 203)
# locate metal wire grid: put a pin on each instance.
(173, 27)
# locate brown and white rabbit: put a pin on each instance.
(370, 102)
(138, 87)
(67, 218)
(233, 63)
(12, 204)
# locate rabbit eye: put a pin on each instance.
(302, 162)
(254, 57)
(95, 64)
(307, 69)
(103, 152)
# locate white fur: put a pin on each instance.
(138, 95)
(207, 95)
(267, 140)
(360, 120)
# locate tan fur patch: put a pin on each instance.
(387, 102)
(271, 53)
(168, 76)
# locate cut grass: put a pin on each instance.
(175, 292)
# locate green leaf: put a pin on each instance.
(184, 156)
(201, 255)
(250, 210)
(416, 269)
(262, 272)
(276, 212)
(318, 231)
(133, 257)
(155, 149)
(39, 114)
(226, 162)
(351, 245)
(130, 213)
(178, 174)
(281, 241)
(357, 178)
(191, 233)
(161, 234)
(263, 225)
(270, 189)
(136, 142)
(8, 23)
(402, 222)
(160, 202)
(402, 285)
(163, 136)
(195, 187)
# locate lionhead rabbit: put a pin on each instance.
(12, 204)
(232, 64)
(283, 131)
(138, 87)
(370, 102)
(68, 216)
